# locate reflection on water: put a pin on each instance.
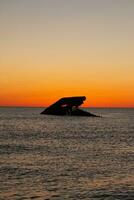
(49, 157)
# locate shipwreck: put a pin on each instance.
(68, 106)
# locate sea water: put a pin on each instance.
(62, 157)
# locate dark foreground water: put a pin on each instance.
(56, 158)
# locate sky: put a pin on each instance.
(57, 48)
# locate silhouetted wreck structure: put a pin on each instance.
(68, 106)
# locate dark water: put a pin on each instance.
(48, 157)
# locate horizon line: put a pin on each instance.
(21, 106)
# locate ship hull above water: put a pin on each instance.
(68, 106)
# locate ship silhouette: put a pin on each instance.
(68, 106)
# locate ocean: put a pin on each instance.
(62, 157)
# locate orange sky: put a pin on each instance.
(69, 48)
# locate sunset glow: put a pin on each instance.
(51, 49)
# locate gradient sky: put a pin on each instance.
(55, 48)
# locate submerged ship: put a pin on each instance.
(68, 106)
